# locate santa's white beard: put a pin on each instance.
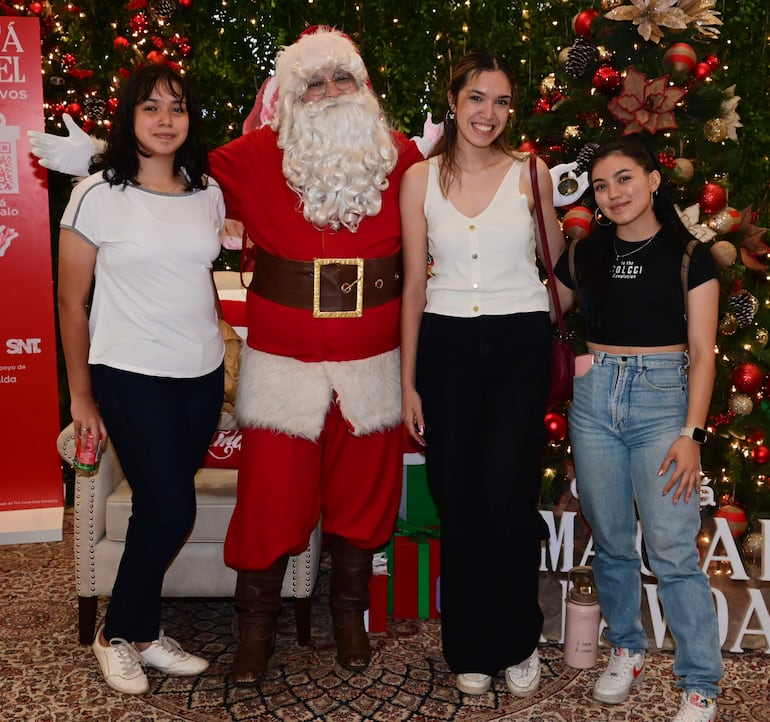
(338, 153)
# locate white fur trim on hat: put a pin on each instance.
(311, 55)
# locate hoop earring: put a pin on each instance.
(599, 216)
(449, 117)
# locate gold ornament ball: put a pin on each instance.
(608, 5)
(564, 55)
(716, 130)
(752, 547)
(728, 325)
(683, 170)
(740, 404)
(761, 336)
(572, 132)
(549, 85)
(724, 253)
(728, 220)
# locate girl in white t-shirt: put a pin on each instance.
(144, 357)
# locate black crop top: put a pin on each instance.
(645, 301)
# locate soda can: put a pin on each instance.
(87, 455)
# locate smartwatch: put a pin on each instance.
(698, 435)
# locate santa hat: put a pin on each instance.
(319, 49)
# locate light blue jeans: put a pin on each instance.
(626, 413)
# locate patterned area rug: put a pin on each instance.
(46, 676)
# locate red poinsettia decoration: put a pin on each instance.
(645, 104)
(753, 248)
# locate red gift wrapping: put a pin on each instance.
(378, 603)
(415, 569)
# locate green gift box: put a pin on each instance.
(417, 505)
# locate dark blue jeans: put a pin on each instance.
(160, 429)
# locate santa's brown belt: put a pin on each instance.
(330, 287)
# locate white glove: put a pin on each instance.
(431, 132)
(567, 187)
(70, 154)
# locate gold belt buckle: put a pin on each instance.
(358, 311)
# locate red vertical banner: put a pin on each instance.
(31, 491)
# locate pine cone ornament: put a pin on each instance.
(744, 307)
(585, 156)
(163, 9)
(581, 59)
(94, 108)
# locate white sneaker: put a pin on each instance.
(523, 679)
(473, 682)
(121, 665)
(624, 671)
(696, 708)
(165, 655)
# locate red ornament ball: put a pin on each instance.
(156, 57)
(755, 436)
(186, 4)
(120, 43)
(712, 61)
(701, 71)
(760, 454)
(139, 23)
(748, 378)
(582, 21)
(713, 198)
(36, 8)
(75, 109)
(736, 518)
(606, 79)
(680, 58)
(577, 222)
(527, 146)
(543, 105)
(555, 427)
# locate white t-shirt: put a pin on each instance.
(153, 309)
(485, 265)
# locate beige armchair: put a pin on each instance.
(103, 506)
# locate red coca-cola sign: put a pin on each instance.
(225, 450)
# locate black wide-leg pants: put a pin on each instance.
(484, 384)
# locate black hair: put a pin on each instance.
(467, 68)
(119, 162)
(594, 276)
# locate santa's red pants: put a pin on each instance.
(285, 483)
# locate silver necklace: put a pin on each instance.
(640, 245)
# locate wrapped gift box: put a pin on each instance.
(417, 505)
(414, 566)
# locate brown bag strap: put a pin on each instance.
(544, 243)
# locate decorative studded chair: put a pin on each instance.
(102, 509)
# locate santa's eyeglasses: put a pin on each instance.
(342, 81)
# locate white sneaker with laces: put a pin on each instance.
(623, 672)
(473, 682)
(523, 679)
(165, 655)
(696, 708)
(121, 665)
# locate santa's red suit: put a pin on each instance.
(319, 397)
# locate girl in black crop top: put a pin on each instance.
(640, 402)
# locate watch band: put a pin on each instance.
(698, 435)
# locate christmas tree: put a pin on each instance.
(651, 68)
